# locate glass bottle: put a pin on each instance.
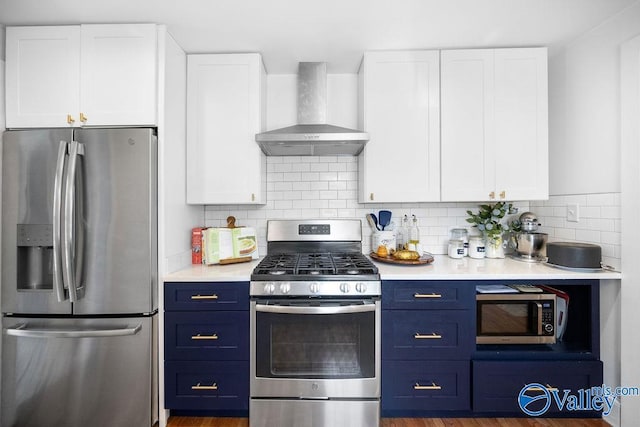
(414, 235)
(402, 234)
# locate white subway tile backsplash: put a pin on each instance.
(327, 187)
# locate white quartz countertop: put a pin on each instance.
(443, 268)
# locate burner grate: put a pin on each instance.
(316, 264)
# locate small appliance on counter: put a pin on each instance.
(528, 244)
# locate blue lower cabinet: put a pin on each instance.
(207, 386)
(206, 335)
(409, 387)
(543, 388)
(427, 334)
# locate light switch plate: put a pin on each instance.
(573, 212)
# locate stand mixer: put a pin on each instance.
(528, 243)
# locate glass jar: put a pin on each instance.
(476, 247)
(456, 248)
(461, 234)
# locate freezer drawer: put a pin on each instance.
(77, 372)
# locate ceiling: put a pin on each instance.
(336, 31)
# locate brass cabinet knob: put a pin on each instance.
(83, 118)
(70, 119)
(492, 195)
(503, 194)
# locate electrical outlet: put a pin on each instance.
(573, 213)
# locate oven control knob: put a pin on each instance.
(344, 288)
(314, 288)
(269, 288)
(285, 288)
(361, 287)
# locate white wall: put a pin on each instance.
(585, 162)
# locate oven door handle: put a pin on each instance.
(330, 309)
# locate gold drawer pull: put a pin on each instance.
(432, 295)
(433, 386)
(201, 297)
(548, 387)
(204, 337)
(432, 336)
(213, 386)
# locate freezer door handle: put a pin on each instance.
(23, 331)
(57, 224)
(73, 239)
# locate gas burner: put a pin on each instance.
(277, 272)
(353, 271)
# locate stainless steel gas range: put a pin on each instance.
(315, 328)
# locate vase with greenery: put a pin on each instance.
(490, 221)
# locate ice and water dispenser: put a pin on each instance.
(35, 257)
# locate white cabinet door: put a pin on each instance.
(467, 141)
(521, 120)
(87, 75)
(225, 96)
(119, 64)
(400, 110)
(494, 124)
(42, 75)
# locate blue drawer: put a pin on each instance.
(427, 335)
(206, 335)
(206, 296)
(425, 386)
(420, 295)
(497, 384)
(207, 386)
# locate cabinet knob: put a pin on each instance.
(70, 119)
(253, 197)
(370, 196)
(492, 195)
(503, 194)
(83, 118)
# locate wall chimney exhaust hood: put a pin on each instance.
(312, 136)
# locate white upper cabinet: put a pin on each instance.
(399, 96)
(494, 124)
(225, 109)
(82, 75)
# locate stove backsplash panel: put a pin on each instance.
(327, 187)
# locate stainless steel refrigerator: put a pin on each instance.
(79, 277)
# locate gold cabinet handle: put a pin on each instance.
(503, 194)
(204, 337)
(204, 297)
(492, 195)
(253, 197)
(432, 336)
(433, 386)
(431, 295)
(213, 386)
(370, 196)
(70, 120)
(83, 118)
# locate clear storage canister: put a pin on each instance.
(456, 248)
(461, 234)
(476, 247)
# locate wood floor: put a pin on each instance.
(413, 422)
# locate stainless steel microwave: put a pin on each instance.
(518, 318)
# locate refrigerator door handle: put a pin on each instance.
(58, 281)
(22, 331)
(72, 266)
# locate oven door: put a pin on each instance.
(315, 349)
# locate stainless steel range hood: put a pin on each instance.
(312, 136)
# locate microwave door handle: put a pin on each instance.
(539, 319)
(70, 223)
(58, 280)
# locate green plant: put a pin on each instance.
(489, 219)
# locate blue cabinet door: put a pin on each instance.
(206, 296)
(427, 335)
(425, 386)
(497, 385)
